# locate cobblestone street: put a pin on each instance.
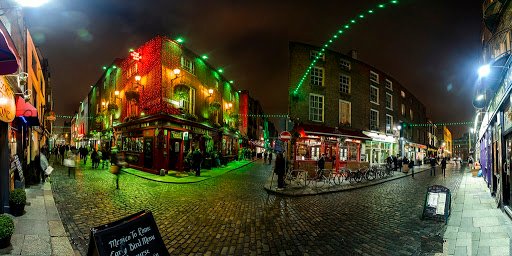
(233, 214)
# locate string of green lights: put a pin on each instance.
(270, 115)
(441, 124)
(336, 36)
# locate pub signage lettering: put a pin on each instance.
(7, 103)
(136, 234)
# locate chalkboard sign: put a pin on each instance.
(15, 164)
(437, 203)
(136, 234)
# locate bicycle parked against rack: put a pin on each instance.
(323, 177)
(297, 178)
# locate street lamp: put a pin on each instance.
(138, 78)
(484, 70)
(210, 92)
(31, 3)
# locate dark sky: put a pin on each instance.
(431, 46)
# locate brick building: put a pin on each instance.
(351, 109)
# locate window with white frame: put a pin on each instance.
(374, 119)
(402, 93)
(403, 109)
(345, 112)
(313, 54)
(389, 85)
(389, 124)
(344, 84)
(187, 65)
(345, 64)
(411, 114)
(316, 107)
(389, 101)
(374, 77)
(374, 94)
(317, 76)
(186, 97)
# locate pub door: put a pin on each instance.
(174, 153)
(148, 152)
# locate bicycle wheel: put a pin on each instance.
(358, 176)
(320, 181)
(370, 174)
(351, 176)
(337, 177)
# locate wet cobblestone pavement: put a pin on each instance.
(233, 214)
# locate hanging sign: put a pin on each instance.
(437, 204)
(136, 234)
(7, 103)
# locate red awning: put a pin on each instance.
(9, 58)
(25, 109)
(322, 130)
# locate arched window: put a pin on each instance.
(186, 96)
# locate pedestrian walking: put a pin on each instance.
(197, 158)
(433, 163)
(279, 169)
(62, 150)
(321, 165)
(265, 154)
(443, 166)
(118, 163)
(411, 167)
(470, 163)
(395, 163)
(86, 153)
(70, 161)
(95, 159)
(104, 158)
(270, 157)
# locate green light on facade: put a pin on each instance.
(340, 31)
(220, 70)
(394, 1)
(131, 50)
(381, 6)
(114, 66)
(347, 26)
(180, 40)
(104, 67)
(335, 36)
(361, 16)
(370, 11)
(204, 57)
(353, 21)
(231, 81)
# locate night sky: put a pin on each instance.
(432, 47)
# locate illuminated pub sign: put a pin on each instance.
(7, 103)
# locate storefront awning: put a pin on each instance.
(308, 129)
(9, 57)
(26, 112)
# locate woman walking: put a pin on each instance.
(279, 169)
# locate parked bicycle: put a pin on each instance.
(297, 178)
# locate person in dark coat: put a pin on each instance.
(270, 157)
(197, 158)
(117, 160)
(411, 167)
(279, 169)
(433, 163)
(395, 163)
(443, 167)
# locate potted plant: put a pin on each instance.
(17, 201)
(6, 230)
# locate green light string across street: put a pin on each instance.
(336, 35)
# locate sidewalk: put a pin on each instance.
(295, 190)
(476, 226)
(174, 177)
(39, 231)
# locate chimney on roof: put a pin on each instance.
(353, 54)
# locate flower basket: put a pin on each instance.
(98, 119)
(132, 95)
(6, 230)
(214, 106)
(17, 201)
(112, 107)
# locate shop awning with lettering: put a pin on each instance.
(320, 130)
(9, 58)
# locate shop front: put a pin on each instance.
(416, 152)
(380, 147)
(162, 142)
(340, 147)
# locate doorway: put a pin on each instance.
(148, 152)
(174, 153)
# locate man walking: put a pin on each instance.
(197, 158)
(433, 166)
(443, 167)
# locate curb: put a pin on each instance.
(333, 189)
(172, 182)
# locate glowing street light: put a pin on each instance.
(479, 97)
(484, 70)
(210, 91)
(31, 3)
(176, 71)
(137, 78)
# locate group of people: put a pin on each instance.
(267, 155)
